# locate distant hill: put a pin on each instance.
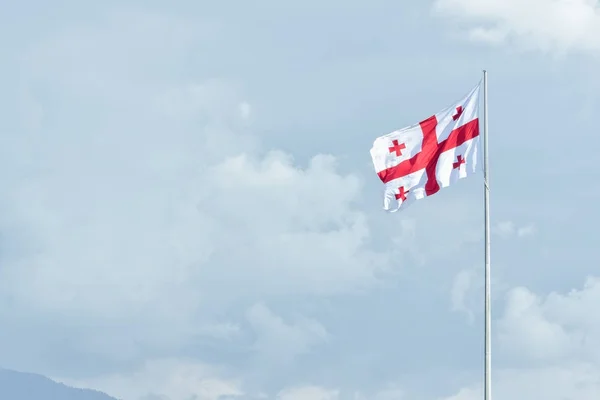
(24, 386)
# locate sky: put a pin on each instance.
(189, 210)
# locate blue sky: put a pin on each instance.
(189, 207)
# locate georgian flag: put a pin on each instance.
(416, 161)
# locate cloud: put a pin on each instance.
(308, 393)
(507, 229)
(245, 110)
(555, 26)
(279, 342)
(220, 330)
(167, 379)
(551, 342)
(525, 231)
(142, 206)
(462, 285)
(526, 331)
(185, 379)
(553, 328)
(567, 382)
(312, 392)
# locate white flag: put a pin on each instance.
(416, 161)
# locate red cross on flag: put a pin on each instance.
(418, 160)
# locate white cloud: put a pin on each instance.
(525, 330)
(245, 110)
(141, 188)
(279, 342)
(549, 25)
(567, 382)
(391, 392)
(492, 36)
(184, 379)
(526, 231)
(213, 99)
(508, 229)
(463, 283)
(554, 341)
(556, 327)
(220, 330)
(308, 393)
(168, 379)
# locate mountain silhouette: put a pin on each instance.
(25, 386)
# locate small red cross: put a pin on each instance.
(397, 148)
(459, 111)
(458, 163)
(401, 195)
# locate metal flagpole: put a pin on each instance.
(488, 305)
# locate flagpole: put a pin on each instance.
(488, 305)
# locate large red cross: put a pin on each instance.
(430, 152)
(397, 148)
